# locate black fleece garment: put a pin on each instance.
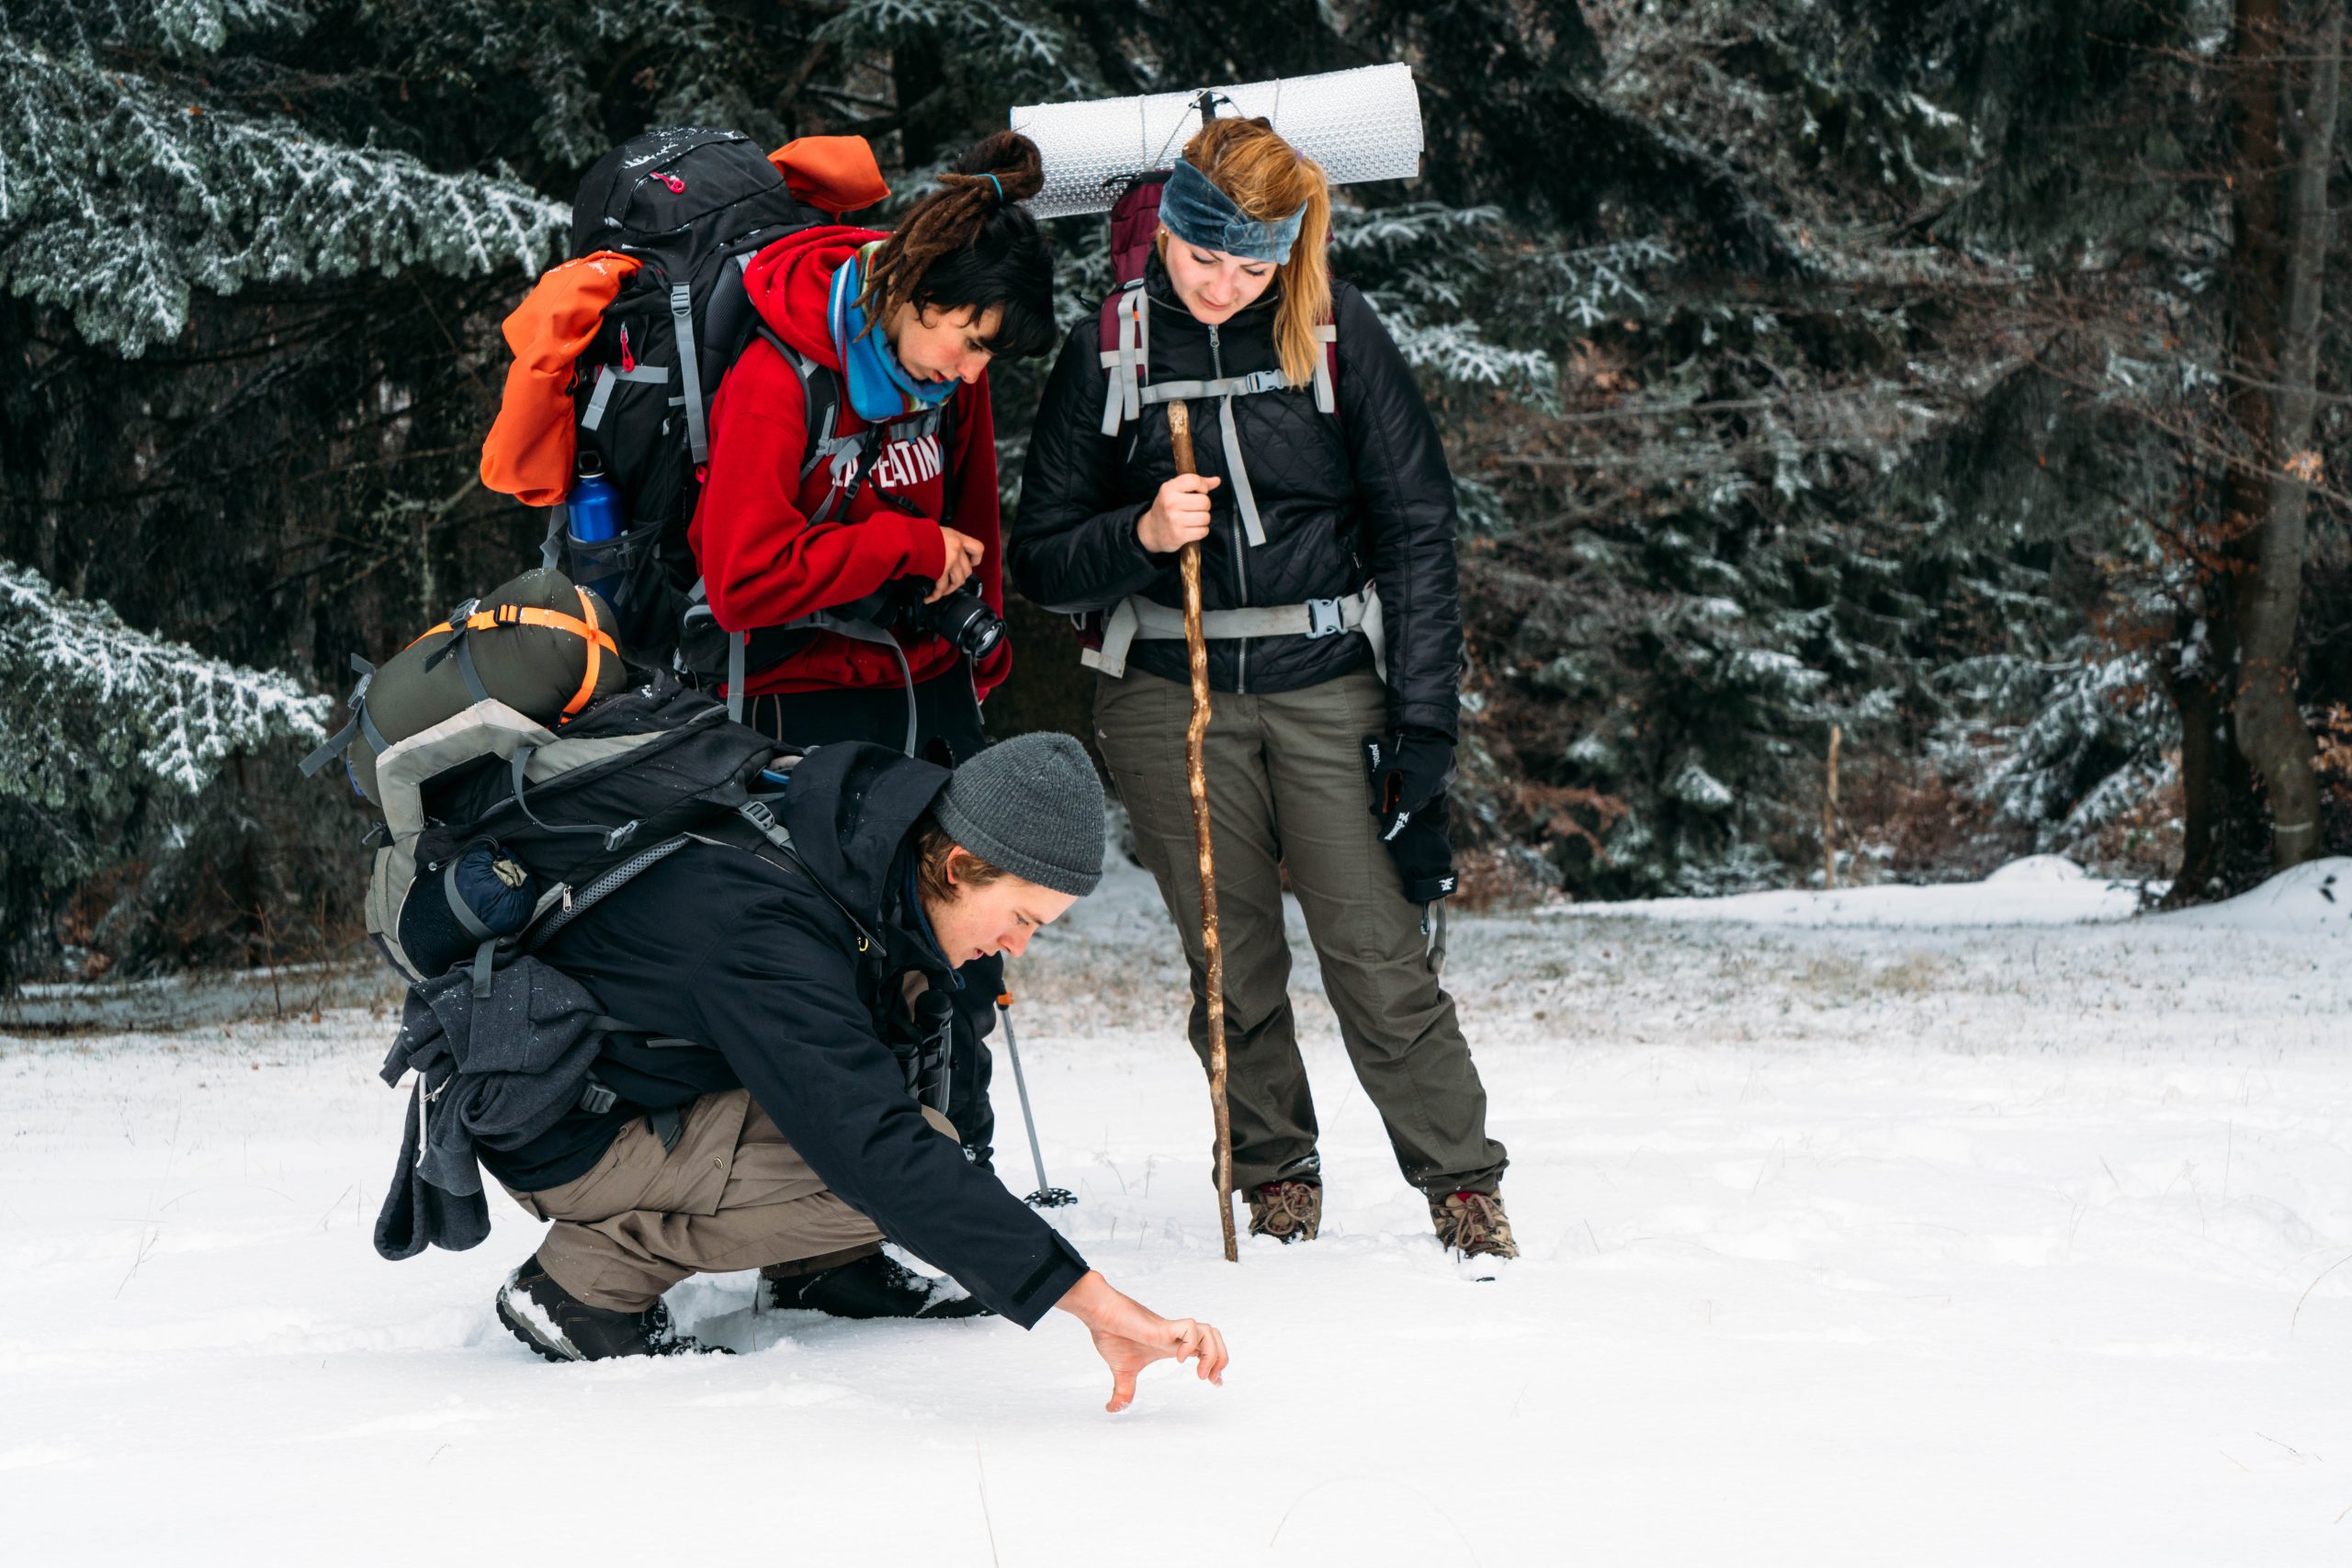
(754, 959)
(1364, 496)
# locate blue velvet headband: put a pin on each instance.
(1199, 214)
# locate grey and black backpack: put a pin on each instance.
(525, 771)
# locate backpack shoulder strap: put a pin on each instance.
(947, 458)
(1327, 368)
(753, 827)
(1126, 338)
(820, 398)
(1124, 333)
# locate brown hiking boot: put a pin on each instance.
(1472, 1225)
(1287, 1211)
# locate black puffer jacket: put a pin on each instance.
(1366, 496)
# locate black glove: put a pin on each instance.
(1424, 854)
(1409, 769)
(1410, 773)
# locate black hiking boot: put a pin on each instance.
(559, 1325)
(872, 1286)
(1287, 1211)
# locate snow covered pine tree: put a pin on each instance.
(101, 725)
(150, 166)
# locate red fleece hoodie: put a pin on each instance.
(763, 562)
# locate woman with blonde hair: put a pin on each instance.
(1325, 519)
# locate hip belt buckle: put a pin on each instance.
(1324, 619)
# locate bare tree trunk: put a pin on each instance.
(2282, 259)
(2220, 824)
(1829, 816)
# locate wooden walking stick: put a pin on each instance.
(1196, 648)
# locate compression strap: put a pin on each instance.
(600, 642)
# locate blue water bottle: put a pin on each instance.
(595, 520)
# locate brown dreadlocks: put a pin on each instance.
(951, 219)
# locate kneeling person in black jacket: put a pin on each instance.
(814, 980)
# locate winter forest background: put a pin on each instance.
(1964, 376)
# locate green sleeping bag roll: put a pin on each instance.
(540, 645)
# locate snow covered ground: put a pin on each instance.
(1984, 1225)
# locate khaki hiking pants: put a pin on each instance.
(732, 1194)
(1287, 788)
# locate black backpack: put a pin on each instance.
(694, 206)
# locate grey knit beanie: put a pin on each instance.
(1033, 807)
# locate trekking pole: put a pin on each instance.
(1179, 435)
(1045, 1197)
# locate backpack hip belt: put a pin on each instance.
(1137, 617)
(1126, 391)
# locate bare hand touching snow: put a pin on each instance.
(1130, 1336)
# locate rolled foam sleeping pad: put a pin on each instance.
(534, 670)
(1363, 124)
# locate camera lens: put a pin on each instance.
(965, 619)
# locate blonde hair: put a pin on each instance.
(1268, 179)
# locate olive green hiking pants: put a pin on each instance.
(1287, 788)
(731, 1194)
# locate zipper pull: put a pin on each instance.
(628, 360)
(677, 187)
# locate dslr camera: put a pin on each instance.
(962, 617)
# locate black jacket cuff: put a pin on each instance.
(1046, 1284)
(1439, 719)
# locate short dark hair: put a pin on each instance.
(933, 847)
(1008, 264)
(969, 244)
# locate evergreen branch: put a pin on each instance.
(117, 223)
(1029, 46)
(175, 27)
(89, 694)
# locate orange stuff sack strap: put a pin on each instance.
(832, 174)
(540, 645)
(599, 644)
(532, 445)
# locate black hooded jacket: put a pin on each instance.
(1362, 497)
(744, 953)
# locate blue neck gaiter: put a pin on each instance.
(880, 387)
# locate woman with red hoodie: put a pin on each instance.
(895, 331)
